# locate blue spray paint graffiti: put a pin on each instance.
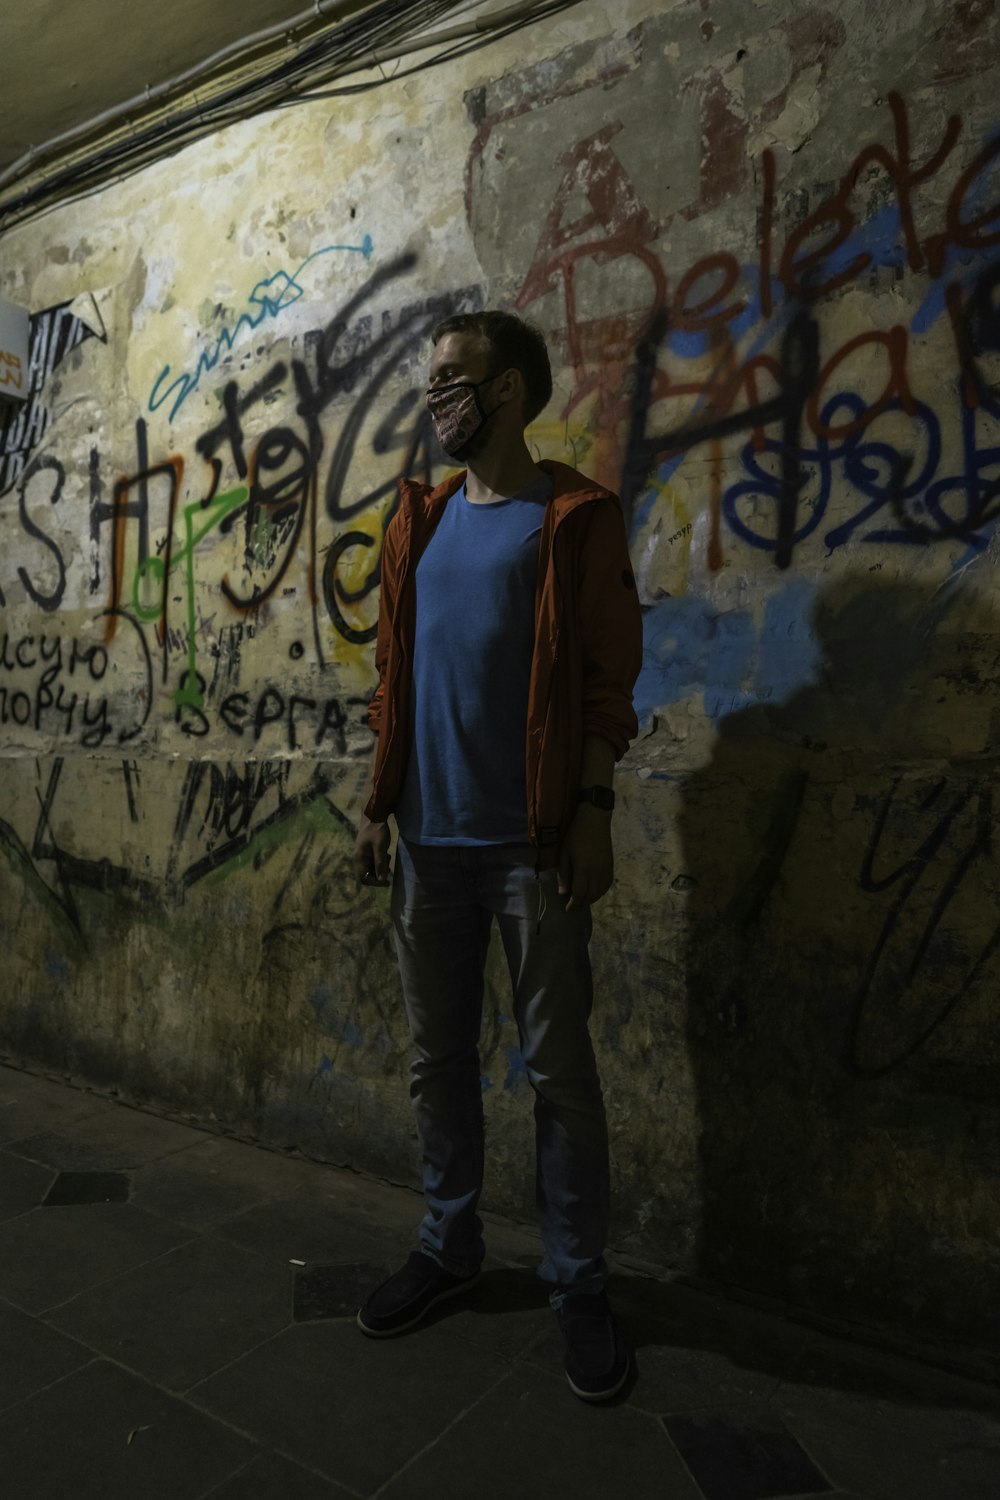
(516, 1067)
(267, 299)
(692, 647)
(324, 1004)
(886, 445)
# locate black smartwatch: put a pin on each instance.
(599, 796)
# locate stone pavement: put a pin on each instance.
(177, 1323)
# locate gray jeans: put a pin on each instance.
(444, 901)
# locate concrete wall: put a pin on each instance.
(765, 243)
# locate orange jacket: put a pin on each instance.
(588, 645)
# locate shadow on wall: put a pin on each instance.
(842, 964)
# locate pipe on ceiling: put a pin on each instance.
(150, 96)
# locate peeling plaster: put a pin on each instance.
(797, 120)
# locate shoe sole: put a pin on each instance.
(388, 1333)
(599, 1395)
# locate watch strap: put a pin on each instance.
(598, 796)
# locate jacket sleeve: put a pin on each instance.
(386, 609)
(610, 627)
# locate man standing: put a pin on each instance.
(509, 641)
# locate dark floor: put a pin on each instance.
(177, 1322)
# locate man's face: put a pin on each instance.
(461, 375)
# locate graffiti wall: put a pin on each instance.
(764, 244)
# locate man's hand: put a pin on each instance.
(371, 853)
(586, 859)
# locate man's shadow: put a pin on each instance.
(841, 967)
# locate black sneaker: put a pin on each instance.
(596, 1357)
(409, 1294)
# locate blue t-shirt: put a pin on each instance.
(474, 641)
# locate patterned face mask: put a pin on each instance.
(457, 413)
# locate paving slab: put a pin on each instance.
(216, 1178)
(334, 1291)
(29, 1104)
(530, 1437)
(32, 1355)
(353, 1408)
(506, 1312)
(890, 1449)
(258, 1377)
(744, 1455)
(88, 1187)
(52, 1254)
(72, 1442)
(102, 1141)
(686, 1368)
(185, 1314)
(837, 1363)
(680, 1377)
(311, 1229)
(706, 1321)
(23, 1184)
(271, 1477)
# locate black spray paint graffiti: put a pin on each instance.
(52, 685)
(271, 711)
(227, 815)
(908, 991)
(227, 811)
(799, 366)
(916, 502)
(937, 870)
(276, 506)
(283, 497)
(53, 334)
(57, 685)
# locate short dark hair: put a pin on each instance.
(513, 343)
